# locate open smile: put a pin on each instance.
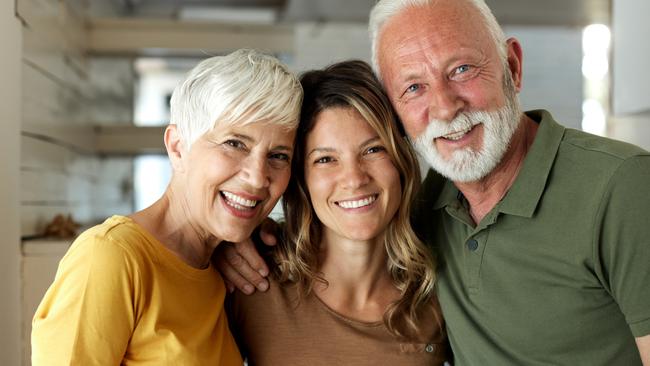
(455, 136)
(238, 203)
(357, 203)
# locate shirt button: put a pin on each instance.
(429, 348)
(472, 245)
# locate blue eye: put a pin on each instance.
(413, 88)
(462, 68)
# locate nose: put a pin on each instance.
(354, 175)
(445, 102)
(255, 171)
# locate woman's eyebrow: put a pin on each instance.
(321, 149)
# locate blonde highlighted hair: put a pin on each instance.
(243, 87)
(352, 84)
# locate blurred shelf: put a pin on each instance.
(45, 247)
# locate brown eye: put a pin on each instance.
(323, 160)
(235, 144)
(375, 149)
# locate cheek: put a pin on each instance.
(414, 117)
(280, 182)
(389, 176)
(317, 188)
(484, 95)
(396, 186)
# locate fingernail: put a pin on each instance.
(262, 286)
(248, 289)
(263, 272)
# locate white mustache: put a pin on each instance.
(462, 122)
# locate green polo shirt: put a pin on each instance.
(558, 273)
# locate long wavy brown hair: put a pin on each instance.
(352, 84)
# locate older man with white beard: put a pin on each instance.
(542, 232)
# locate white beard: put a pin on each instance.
(467, 164)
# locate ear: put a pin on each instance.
(175, 147)
(515, 61)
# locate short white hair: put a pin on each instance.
(384, 10)
(243, 87)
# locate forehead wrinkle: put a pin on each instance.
(413, 35)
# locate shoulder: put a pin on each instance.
(116, 240)
(605, 162)
(277, 296)
(601, 147)
(261, 310)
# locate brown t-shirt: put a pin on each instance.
(273, 328)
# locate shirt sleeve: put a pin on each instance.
(88, 314)
(623, 241)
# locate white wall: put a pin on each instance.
(631, 81)
(319, 44)
(552, 71)
(631, 50)
(10, 65)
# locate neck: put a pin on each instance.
(169, 221)
(359, 285)
(485, 194)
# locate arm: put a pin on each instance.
(241, 265)
(87, 314)
(624, 246)
(644, 349)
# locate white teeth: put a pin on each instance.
(237, 201)
(359, 203)
(455, 136)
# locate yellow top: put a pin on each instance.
(121, 297)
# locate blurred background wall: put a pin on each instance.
(86, 85)
(10, 305)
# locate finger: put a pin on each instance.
(268, 238)
(228, 272)
(235, 279)
(229, 286)
(244, 274)
(251, 256)
(268, 232)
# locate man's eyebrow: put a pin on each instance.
(283, 148)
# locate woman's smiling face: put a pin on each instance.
(234, 176)
(353, 184)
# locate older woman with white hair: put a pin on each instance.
(140, 289)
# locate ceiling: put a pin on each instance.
(508, 12)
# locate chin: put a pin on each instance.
(362, 235)
(234, 234)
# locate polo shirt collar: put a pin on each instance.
(524, 195)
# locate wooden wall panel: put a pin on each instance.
(55, 180)
(59, 171)
(48, 187)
